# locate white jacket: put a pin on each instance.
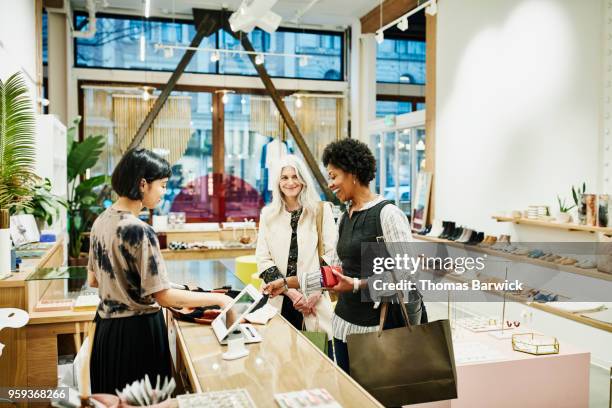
(273, 242)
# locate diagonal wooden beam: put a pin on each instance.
(282, 108)
(392, 9)
(209, 23)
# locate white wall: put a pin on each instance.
(518, 108)
(18, 40)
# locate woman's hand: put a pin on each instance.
(345, 284)
(311, 303)
(274, 288)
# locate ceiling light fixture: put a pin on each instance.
(403, 24)
(232, 52)
(225, 97)
(259, 59)
(432, 9)
(298, 102)
(380, 36)
(147, 8)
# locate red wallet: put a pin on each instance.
(328, 278)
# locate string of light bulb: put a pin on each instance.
(216, 53)
(430, 6)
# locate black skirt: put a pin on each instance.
(127, 348)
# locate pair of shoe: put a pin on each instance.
(585, 264)
(425, 231)
(457, 233)
(536, 253)
(465, 236)
(488, 241)
(448, 230)
(541, 297)
(502, 242)
(436, 229)
(476, 238)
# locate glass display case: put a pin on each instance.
(61, 289)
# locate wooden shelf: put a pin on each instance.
(591, 273)
(555, 225)
(546, 307)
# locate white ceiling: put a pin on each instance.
(324, 13)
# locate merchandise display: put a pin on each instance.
(535, 344)
(318, 397)
(481, 324)
(238, 398)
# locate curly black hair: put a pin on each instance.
(352, 156)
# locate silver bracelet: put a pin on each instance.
(356, 283)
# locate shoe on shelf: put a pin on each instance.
(436, 229)
(449, 228)
(465, 236)
(488, 241)
(586, 264)
(456, 234)
(568, 261)
(475, 238)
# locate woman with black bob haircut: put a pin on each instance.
(126, 264)
(351, 166)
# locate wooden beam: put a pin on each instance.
(209, 24)
(218, 145)
(392, 9)
(282, 108)
(430, 110)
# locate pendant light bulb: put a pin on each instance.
(225, 98)
(243, 100)
(298, 102)
(147, 8)
(214, 57)
(303, 61)
(259, 59)
(145, 94)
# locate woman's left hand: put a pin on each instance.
(345, 283)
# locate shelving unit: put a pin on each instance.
(555, 225)
(546, 307)
(592, 273)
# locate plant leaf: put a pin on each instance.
(84, 155)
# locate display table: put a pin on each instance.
(284, 361)
(515, 379)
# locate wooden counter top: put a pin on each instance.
(285, 361)
(203, 254)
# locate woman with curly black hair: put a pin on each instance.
(351, 166)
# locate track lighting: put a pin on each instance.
(432, 9)
(380, 36)
(403, 24)
(259, 59)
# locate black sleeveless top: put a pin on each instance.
(363, 226)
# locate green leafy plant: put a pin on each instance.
(44, 206)
(562, 206)
(85, 198)
(17, 144)
(577, 193)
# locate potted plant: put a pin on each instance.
(17, 156)
(85, 197)
(563, 215)
(44, 206)
(580, 203)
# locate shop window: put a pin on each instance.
(385, 108)
(184, 135)
(401, 61)
(117, 44)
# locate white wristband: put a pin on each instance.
(356, 283)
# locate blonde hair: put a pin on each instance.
(308, 197)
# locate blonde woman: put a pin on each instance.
(287, 248)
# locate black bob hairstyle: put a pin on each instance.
(351, 156)
(135, 165)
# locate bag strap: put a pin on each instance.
(400, 296)
(320, 228)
